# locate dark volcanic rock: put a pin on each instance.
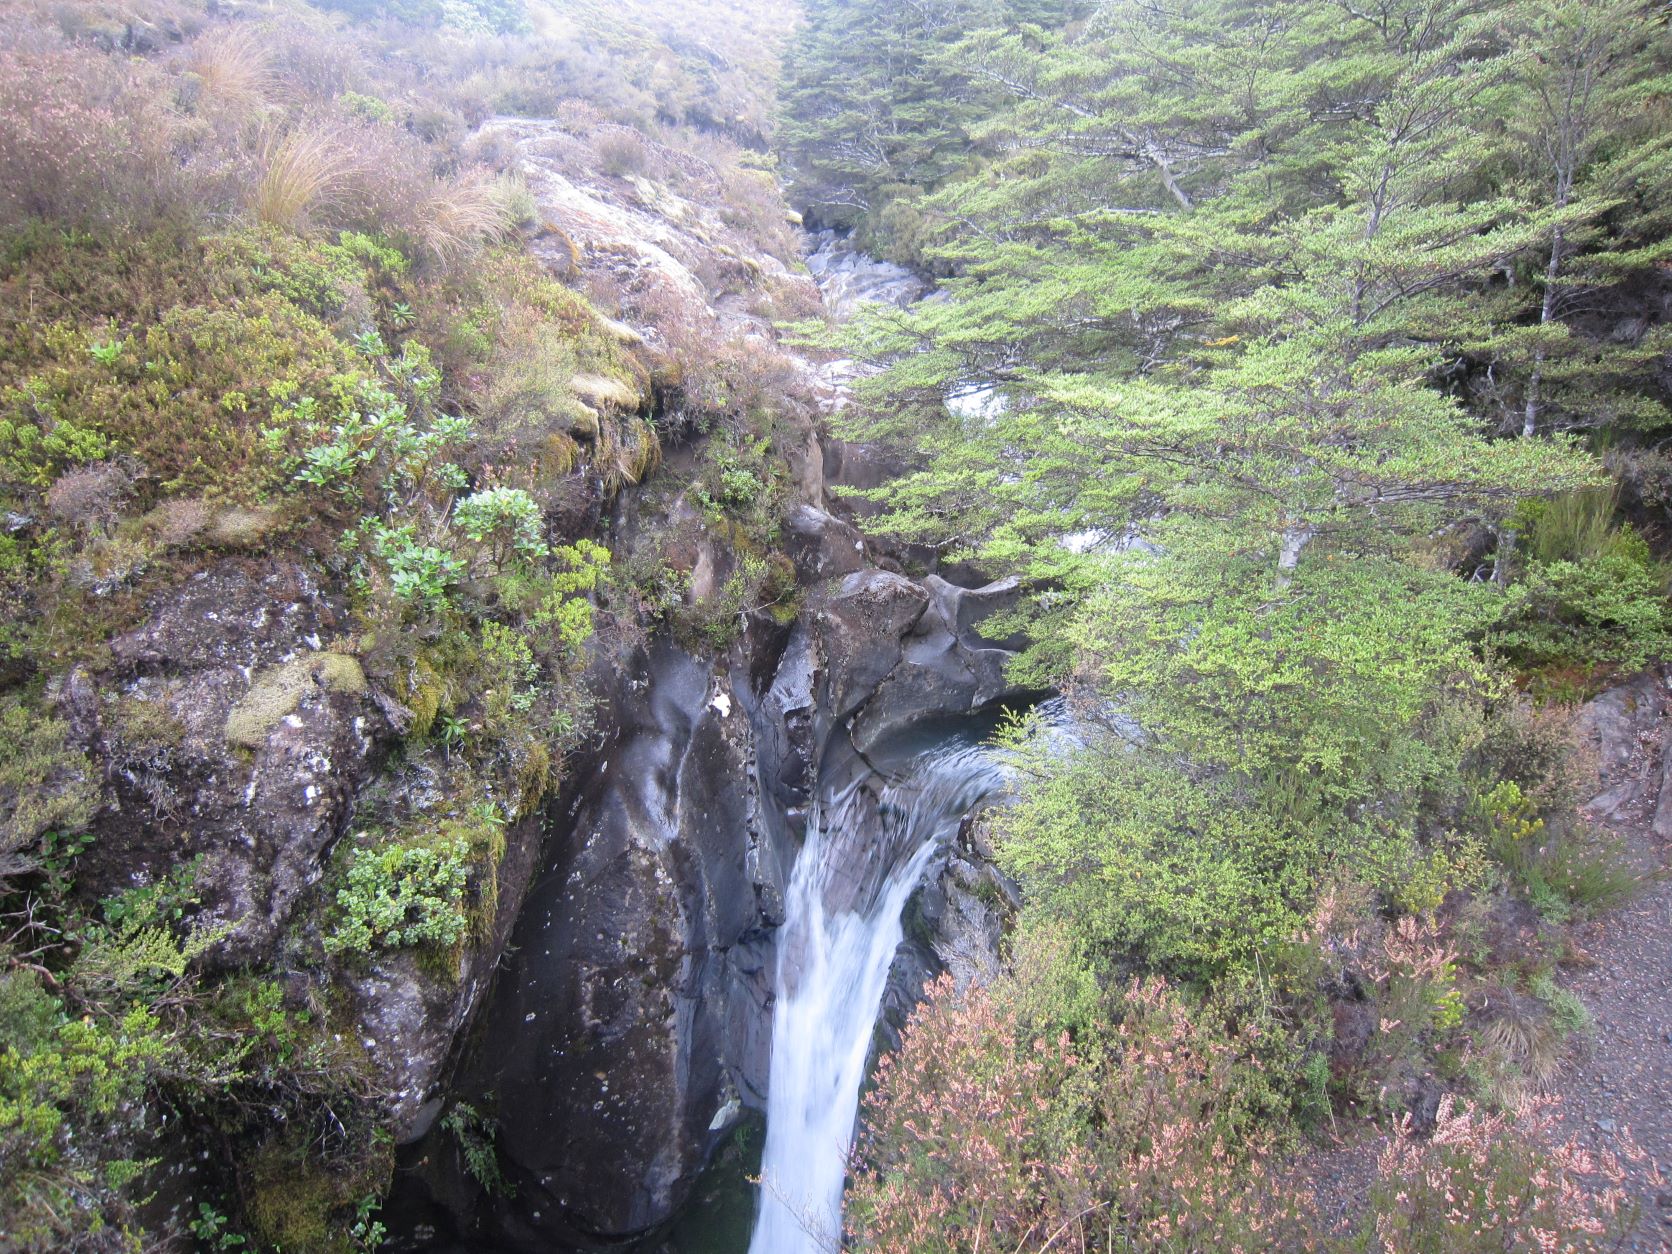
(623, 1031)
(633, 1021)
(235, 735)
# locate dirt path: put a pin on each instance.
(1617, 1079)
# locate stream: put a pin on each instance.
(863, 859)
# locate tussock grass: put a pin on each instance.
(459, 216)
(235, 70)
(301, 171)
(1521, 1034)
(1575, 526)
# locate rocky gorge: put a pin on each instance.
(627, 1034)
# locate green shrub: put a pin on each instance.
(366, 108)
(419, 576)
(506, 520)
(1183, 879)
(403, 896)
(1607, 609)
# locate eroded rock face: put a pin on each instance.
(633, 1022)
(1620, 727)
(235, 735)
(621, 1035)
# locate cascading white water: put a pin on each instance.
(842, 925)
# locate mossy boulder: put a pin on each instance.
(278, 690)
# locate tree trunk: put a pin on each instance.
(1295, 538)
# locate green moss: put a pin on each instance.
(278, 690)
(302, 1206)
(44, 783)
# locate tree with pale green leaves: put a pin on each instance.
(1237, 293)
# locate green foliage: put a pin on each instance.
(1150, 868)
(475, 1133)
(44, 784)
(402, 896)
(368, 108)
(420, 575)
(371, 437)
(1610, 610)
(214, 1230)
(563, 608)
(875, 110)
(505, 519)
(1564, 871)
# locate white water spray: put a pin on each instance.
(843, 923)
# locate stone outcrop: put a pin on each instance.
(237, 737)
(1624, 729)
(633, 1021)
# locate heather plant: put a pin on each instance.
(1495, 1182)
(46, 784)
(994, 1128)
(84, 141)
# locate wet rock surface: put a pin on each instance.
(848, 279)
(632, 1023)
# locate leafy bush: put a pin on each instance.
(505, 519)
(403, 896)
(1608, 611)
(420, 575)
(1183, 878)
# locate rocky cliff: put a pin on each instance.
(629, 1028)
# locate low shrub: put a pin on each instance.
(1606, 611)
(403, 896)
(45, 784)
(86, 140)
(991, 1128)
(1500, 1182)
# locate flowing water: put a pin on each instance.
(867, 848)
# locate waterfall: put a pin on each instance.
(865, 853)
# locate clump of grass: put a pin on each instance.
(1591, 872)
(1575, 526)
(235, 70)
(623, 152)
(460, 215)
(302, 170)
(626, 451)
(1523, 1043)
